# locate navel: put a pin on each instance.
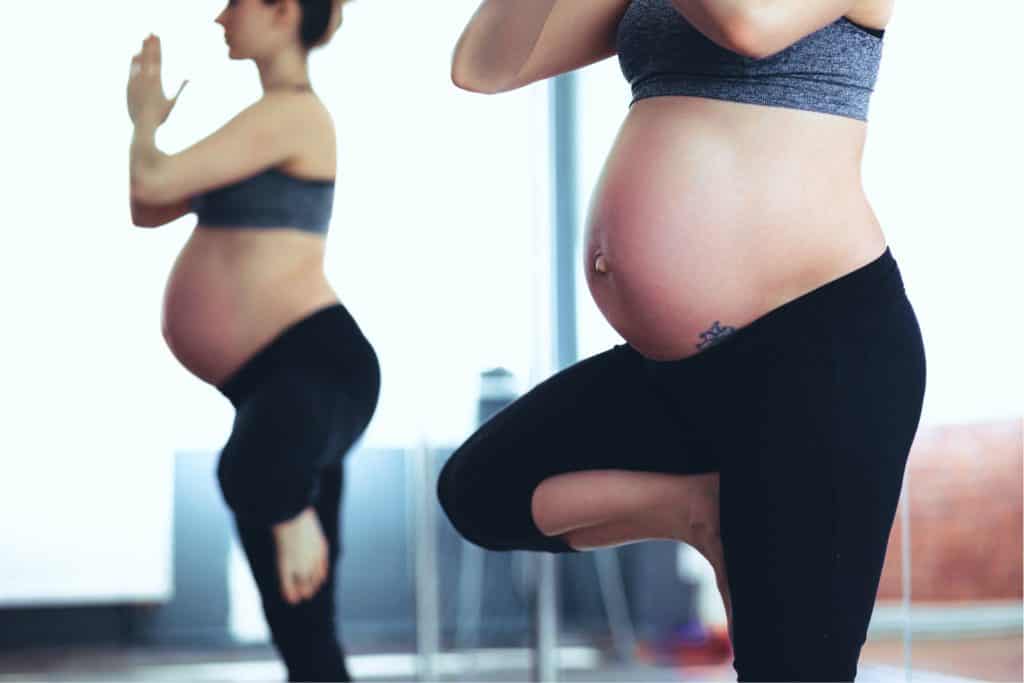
(601, 264)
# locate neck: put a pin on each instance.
(288, 69)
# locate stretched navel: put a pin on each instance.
(600, 264)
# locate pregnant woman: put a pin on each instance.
(763, 406)
(249, 310)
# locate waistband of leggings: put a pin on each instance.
(866, 287)
(324, 334)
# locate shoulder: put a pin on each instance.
(289, 108)
(306, 124)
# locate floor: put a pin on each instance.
(934, 661)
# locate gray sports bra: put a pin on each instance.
(270, 199)
(832, 70)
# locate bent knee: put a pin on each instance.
(257, 499)
(490, 515)
(240, 491)
(461, 506)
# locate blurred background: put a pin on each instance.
(117, 556)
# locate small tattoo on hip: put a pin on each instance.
(714, 335)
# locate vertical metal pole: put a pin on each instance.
(545, 620)
(566, 201)
(564, 194)
(613, 592)
(424, 525)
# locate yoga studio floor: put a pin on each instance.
(935, 661)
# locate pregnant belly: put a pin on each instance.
(222, 305)
(695, 230)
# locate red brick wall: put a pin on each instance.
(966, 515)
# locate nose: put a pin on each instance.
(222, 18)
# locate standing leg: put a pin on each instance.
(301, 404)
(809, 496)
(305, 633)
(287, 446)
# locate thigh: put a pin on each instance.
(283, 435)
(601, 413)
(808, 497)
(778, 513)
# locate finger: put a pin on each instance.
(294, 596)
(151, 49)
(305, 587)
(287, 589)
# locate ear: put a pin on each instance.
(288, 13)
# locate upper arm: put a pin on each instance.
(575, 34)
(262, 136)
(771, 26)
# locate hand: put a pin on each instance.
(146, 101)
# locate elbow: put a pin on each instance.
(464, 81)
(467, 79)
(141, 217)
(746, 36)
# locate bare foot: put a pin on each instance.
(605, 508)
(705, 537)
(711, 548)
(301, 556)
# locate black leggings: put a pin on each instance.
(807, 413)
(301, 403)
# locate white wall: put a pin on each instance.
(943, 169)
(437, 246)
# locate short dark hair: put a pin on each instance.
(316, 19)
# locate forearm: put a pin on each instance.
(499, 39)
(144, 157)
